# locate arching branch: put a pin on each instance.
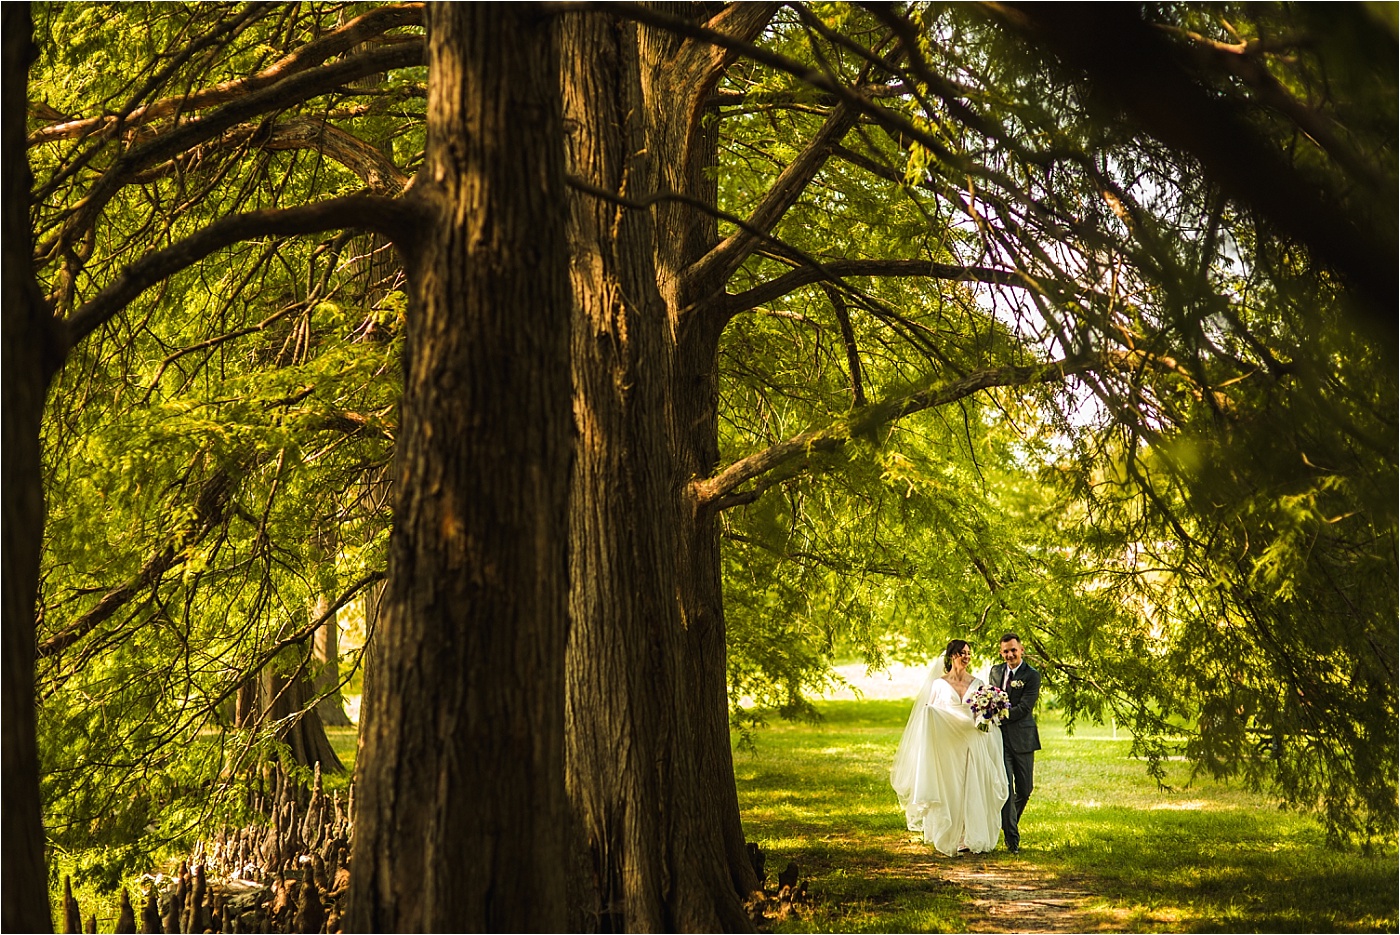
(374, 168)
(834, 270)
(393, 217)
(792, 456)
(278, 96)
(361, 29)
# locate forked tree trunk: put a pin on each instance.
(30, 359)
(691, 234)
(461, 815)
(650, 776)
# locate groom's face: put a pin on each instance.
(1011, 652)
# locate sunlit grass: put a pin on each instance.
(344, 742)
(1195, 856)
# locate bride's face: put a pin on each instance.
(962, 660)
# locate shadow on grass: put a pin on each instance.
(1105, 848)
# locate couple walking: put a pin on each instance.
(961, 784)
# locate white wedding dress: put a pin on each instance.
(949, 775)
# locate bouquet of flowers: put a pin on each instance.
(989, 706)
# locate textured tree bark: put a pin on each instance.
(650, 778)
(697, 320)
(30, 359)
(271, 696)
(282, 696)
(461, 815)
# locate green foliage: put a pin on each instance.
(216, 458)
(1197, 539)
(1200, 539)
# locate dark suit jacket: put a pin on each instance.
(1018, 731)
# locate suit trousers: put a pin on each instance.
(1020, 780)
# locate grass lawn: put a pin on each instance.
(1103, 848)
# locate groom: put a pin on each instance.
(1020, 739)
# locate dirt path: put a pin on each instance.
(1020, 896)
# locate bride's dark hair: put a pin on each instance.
(955, 648)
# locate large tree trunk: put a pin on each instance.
(678, 85)
(697, 329)
(30, 359)
(652, 792)
(461, 812)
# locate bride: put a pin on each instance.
(949, 775)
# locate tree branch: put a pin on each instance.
(393, 217)
(1183, 117)
(697, 66)
(376, 169)
(298, 636)
(290, 90)
(1132, 67)
(821, 80)
(1243, 61)
(834, 270)
(729, 254)
(209, 510)
(358, 30)
(848, 338)
(379, 173)
(789, 457)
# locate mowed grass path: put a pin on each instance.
(1103, 848)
